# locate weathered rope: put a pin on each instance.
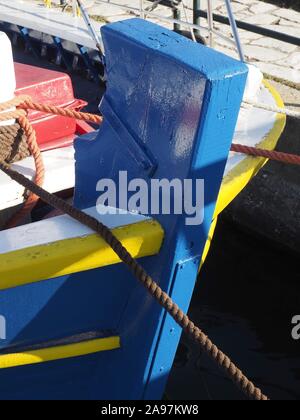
(15, 102)
(235, 374)
(275, 109)
(11, 153)
(13, 144)
(20, 152)
(34, 149)
(268, 154)
(70, 113)
(151, 286)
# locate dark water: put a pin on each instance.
(245, 299)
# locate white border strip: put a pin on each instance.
(60, 228)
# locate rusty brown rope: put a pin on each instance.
(151, 286)
(12, 103)
(268, 154)
(8, 112)
(39, 177)
(223, 361)
(17, 109)
(13, 143)
(70, 113)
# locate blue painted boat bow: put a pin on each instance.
(176, 104)
(170, 111)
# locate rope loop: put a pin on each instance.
(16, 146)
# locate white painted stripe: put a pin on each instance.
(60, 228)
(252, 128)
(60, 175)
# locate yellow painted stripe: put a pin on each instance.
(69, 256)
(240, 176)
(59, 352)
(209, 241)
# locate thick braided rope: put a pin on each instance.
(269, 154)
(13, 143)
(151, 286)
(275, 109)
(12, 115)
(235, 374)
(21, 116)
(70, 113)
(96, 119)
(23, 104)
(39, 178)
(8, 111)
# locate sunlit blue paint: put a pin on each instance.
(170, 111)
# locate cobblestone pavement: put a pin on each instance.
(275, 58)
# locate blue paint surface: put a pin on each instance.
(170, 111)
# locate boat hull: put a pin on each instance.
(152, 130)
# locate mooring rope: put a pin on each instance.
(268, 154)
(54, 110)
(25, 103)
(223, 361)
(272, 108)
(13, 143)
(33, 148)
(12, 149)
(195, 333)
